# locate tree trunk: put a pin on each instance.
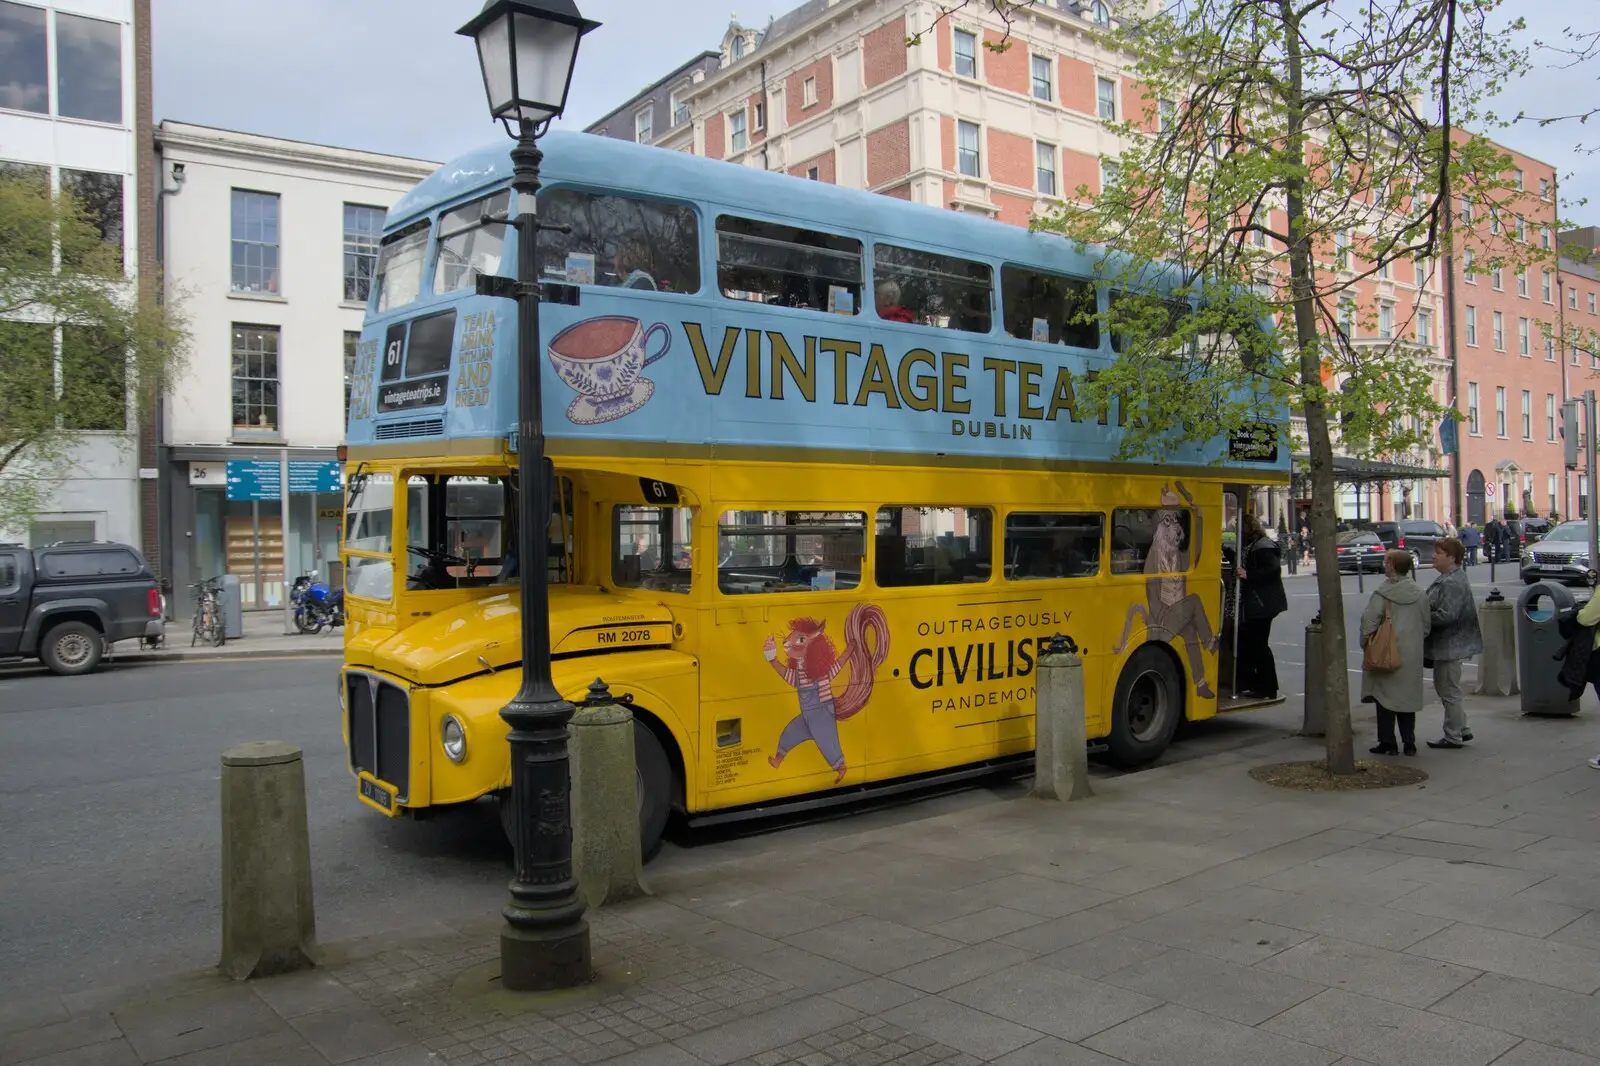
(1302, 288)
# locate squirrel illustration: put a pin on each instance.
(811, 667)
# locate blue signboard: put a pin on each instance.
(262, 479)
(1447, 436)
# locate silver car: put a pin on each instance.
(1562, 555)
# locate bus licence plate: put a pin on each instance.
(376, 795)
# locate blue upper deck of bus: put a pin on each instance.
(728, 307)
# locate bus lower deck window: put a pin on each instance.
(785, 266)
(1150, 540)
(652, 547)
(932, 546)
(932, 289)
(789, 551)
(619, 242)
(1049, 545)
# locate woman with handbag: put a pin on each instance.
(1393, 629)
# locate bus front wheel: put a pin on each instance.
(1145, 713)
(653, 774)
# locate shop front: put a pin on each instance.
(227, 518)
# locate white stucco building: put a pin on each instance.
(74, 94)
(269, 248)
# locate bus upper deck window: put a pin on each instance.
(400, 259)
(932, 289)
(468, 245)
(771, 263)
(1040, 306)
(619, 241)
(1135, 308)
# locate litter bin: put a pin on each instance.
(232, 608)
(1539, 612)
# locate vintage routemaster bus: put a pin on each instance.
(821, 488)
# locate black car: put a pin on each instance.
(1560, 555)
(1359, 550)
(1415, 535)
(66, 604)
(1535, 529)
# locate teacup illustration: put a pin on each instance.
(602, 359)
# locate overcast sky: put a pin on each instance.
(392, 76)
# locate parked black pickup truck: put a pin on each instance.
(67, 603)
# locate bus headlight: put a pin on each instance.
(454, 738)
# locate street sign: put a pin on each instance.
(1488, 492)
(261, 479)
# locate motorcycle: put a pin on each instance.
(316, 607)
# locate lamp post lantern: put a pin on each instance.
(527, 49)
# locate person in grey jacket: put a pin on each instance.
(1455, 637)
(1397, 693)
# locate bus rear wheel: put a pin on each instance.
(1147, 706)
(653, 774)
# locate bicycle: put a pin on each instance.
(208, 613)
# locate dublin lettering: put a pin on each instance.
(866, 375)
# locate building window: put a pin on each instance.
(1522, 282)
(1499, 322)
(1466, 210)
(1385, 321)
(736, 134)
(1494, 279)
(255, 242)
(1591, 303)
(94, 380)
(1516, 178)
(1544, 188)
(1041, 78)
(100, 196)
(1550, 417)
(1341, 250)
(680, 110)
(1551, 485)
(1472, 408)
(25, 57)
(1494, 222)
(1105, 93)
(1500, 410)
(1044, 163)
(1466, 267)
(1522, 229)
(966, 51)
(1572, 298)
(808, 92)
(967, 157)
(1166, 115)
(1347, 317)
(642, 123)
(1544, 237)
(761, 115)
(1522, 337)
(88, 68)
(1424, 327)
(255, 379)
(1110, 172)
(812, 174)
(1527, 415)
(352, 338)
(736, 50)
(1545, 285)
(1099, 13)
(1549, 349)
(1383, 270)
(363, 229)
(1472, 326)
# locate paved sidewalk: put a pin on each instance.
(1185, 916)
(263, 638)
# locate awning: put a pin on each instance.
(1352, 471)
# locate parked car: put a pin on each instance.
(1359, 550)
(1561, 555)
(66, 604)
(1415, 535)
(1535, 529)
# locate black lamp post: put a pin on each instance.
(527, 49)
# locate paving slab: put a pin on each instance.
(306, 992)
(1053, 1051)
(770, 1029)
(1241, 940)
(874, 945)
(1036, 895)
(1583, 931)
(1530, 958)
(1364, 923)
(1539, 1012)
(1521, 913)
(987, 924)
(770, 914)
(960, 966)
(1064, 932)
(32, 1013)
(24, 1044)
(283, 1047)
(1389, 1034)
(1051, 1001)
(875, 995)
(1533, 1053)
(108, 1053)
(973, 1031)
(1474, 836)
(1239, 993)
(1175, 1036)
(1376, 972)
(803, 969)
(1104, 954)
(344, 1034)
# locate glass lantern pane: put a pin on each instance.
(494, 55)
(545, 53)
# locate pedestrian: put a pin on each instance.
(1261, 599)
(1449, 528)
(1454, 637)
(1492, 532)
(1305, 542)
(1397, 693)
(1589, 616)
(1470, 539)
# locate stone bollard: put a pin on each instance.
(268, 923)
(1314, 723)
(1497, 666)
(605, 801)
(1061, 746)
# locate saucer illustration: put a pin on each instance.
(585, 411)
(601, 359)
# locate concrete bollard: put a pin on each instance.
(268, 923)
(1497, 666)
(1061, 746)
(605, 801)
(1314, 723)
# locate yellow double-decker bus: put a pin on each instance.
(820, 491)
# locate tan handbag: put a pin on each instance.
(1381, 653)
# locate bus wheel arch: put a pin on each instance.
(1148, 703)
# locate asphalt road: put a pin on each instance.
(109, 813)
